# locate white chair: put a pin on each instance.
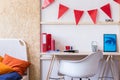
(84, 68)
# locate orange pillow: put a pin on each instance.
(5, 69)
(17, 65)
(1, 58)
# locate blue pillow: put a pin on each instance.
(11, 76)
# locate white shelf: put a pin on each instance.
(82, 23)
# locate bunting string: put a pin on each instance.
(79, 13)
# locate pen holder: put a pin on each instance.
(94, 46)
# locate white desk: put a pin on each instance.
(54, 56)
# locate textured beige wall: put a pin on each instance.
(21, 19)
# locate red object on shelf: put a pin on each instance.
(67, 48)
(49, 42)
(53, 44)
(43, 42)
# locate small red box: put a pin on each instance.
(67, 48)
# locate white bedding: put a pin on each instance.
(16, 48)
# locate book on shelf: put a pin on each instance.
(53, 45)
(47, 42)
(43, 42)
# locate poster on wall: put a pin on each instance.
(110, 42)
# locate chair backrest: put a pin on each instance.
(86, 67)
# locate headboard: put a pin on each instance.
(15, 48)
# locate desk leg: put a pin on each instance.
(109, 61)
(115, 69)
(112, 67)
(108, 58)
(50, 67)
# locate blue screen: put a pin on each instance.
(110, 43)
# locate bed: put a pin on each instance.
(16, 48)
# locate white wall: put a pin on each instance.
(50, 13)
(78, 36)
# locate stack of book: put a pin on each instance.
(47, 42)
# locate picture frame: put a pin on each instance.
(110, 42)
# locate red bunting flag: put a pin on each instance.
(118, 1)
(46, 3)
(106, 9)
(93, 15)
(62, 10)
(78, 14)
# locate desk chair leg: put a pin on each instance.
(64, 78)
(72, 78)
(108, 58)
(109, 61)
(111, 67)
(80, 78)
(88, 78)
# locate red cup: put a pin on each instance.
(67, 48)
